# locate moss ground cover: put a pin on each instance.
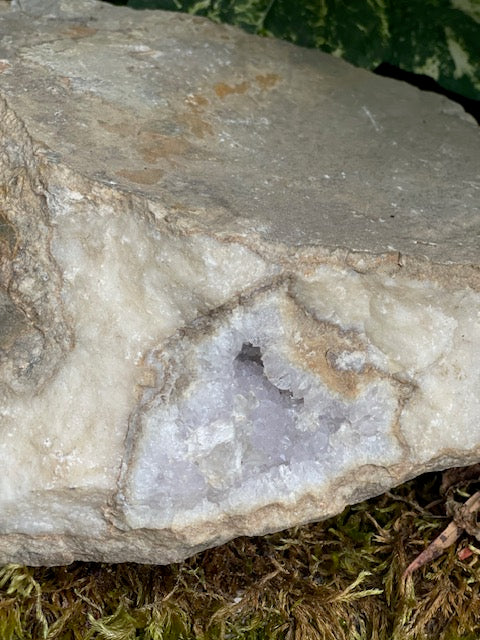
(340, 579)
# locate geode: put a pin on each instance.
(239, 284)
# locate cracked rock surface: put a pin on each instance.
(239, 284)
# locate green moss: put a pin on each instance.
(340, 579)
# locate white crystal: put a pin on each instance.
(246, 410)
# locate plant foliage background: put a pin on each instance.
(437, 38)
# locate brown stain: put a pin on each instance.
(121, 128)
(316, 350)
(79, 31)
(196, 101)
(223, 90)
(195, 124)
(142, 176)
(65, 81)
(267, 81)
(153, 146)
(156, 146)
(4, 66)
(194, 119)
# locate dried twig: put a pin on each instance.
(462, 521)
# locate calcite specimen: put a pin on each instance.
(239, 284)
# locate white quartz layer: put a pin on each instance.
(207, 382)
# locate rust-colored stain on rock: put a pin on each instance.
(143, 176)
(193, 118)
(222, 90)
(267, 81)
(264, 82)
(79, 31)
(65, 81)
(196, 124)
(158, 146)
(124, 128)
(4, 65)
(196, 100)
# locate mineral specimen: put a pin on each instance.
(239, 284)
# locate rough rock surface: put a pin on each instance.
(239, 284)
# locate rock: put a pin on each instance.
(239, 284)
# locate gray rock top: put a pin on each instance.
(253, 135)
